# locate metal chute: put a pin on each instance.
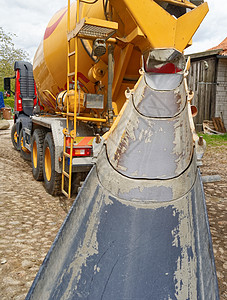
(138, 229)
(109, 248)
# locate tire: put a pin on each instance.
(37, 153)
(14, 137)
(52, 179)
(25, 154)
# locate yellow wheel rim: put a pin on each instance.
(22, 146)
(34, 154)
(15, 137)
(48, 164)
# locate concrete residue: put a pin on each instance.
(183, 142)
(88, 247)
(146, 134)
(183, 138)
(185, 276)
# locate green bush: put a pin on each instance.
(9, 101)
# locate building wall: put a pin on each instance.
(202, 81)
(221, 90)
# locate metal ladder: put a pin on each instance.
(87, 28)
(70, 135)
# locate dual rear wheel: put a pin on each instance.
(37, 153)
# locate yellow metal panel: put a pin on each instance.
(133, 36)
(188, 24)
(120, 68)
(126, 23)
(156, 23)
(189, 43)
(101, 23)
(162, 29)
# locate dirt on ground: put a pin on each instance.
(30, 218)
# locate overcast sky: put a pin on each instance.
(29, 18)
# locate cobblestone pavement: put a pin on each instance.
(215, 163)
(30, 218)
(29, 221)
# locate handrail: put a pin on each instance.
(47, 91)
(83, 118)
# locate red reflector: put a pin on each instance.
(80, 151)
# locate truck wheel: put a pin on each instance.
(14, 137)
(25, 153)
(37, 153)
(52, 179)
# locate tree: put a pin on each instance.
(8, 55)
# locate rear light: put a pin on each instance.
(18, 100)
(81, 151)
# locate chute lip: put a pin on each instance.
(154, 178)
(158, 117)
(104, 155)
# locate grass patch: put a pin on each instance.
(214, 139)
(9, 102)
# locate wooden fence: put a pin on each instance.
(202, 81)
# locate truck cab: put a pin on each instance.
(25, 99)
(38, 135)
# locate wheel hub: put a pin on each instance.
(48, 164)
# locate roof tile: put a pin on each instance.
(222, 46)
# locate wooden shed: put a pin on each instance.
(208, 80)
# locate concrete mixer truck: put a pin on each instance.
(113, 96)
(90, 55)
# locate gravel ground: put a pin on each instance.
(30, 218)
